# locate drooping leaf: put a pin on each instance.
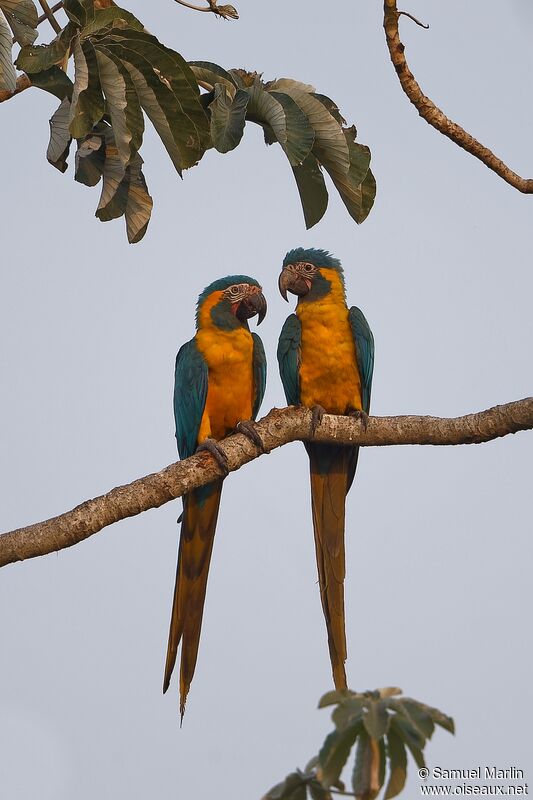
(376, 718)
(22, 18)
(122, 105)
(332, 107)
(411, 737)
(416, 715)
(288, 85)
(312, 190)
(8, 76)
(81, 12)
(365, 777)
(292, 788)
(397, 765)
(227, 118)
(333, 697)
(88, 106)
(299, 135)
(140, 203)
(38, 57)
(207, 73)
(60, 137)
(330, 146)
(335, 751)
(55, 81)
(440, 719)
(109, 18)
(348, 711)
(90, 158)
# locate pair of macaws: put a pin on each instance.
(326, 359)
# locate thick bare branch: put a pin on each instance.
(23, 82)
(279, 427)
(433, 115)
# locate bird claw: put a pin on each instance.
(248, 429)
(213, 447)
(317, 412)
(361, 415)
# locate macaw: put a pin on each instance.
(219, 385)
(326, 361)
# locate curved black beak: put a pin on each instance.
(254, 303)
(293, 282)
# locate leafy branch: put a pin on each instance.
(381, 726)
(278, 428)
(225, 12)
(431, 113)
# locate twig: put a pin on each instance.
(226, 12)
(433, 115)
(57, 7)
(49, 14)
(279, 427)
(407, 14)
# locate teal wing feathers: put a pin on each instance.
(260, 373)
(289, 347)
(190, 392)
(364, 350)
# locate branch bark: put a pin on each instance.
(279, 427)
(433, 115)
(226, 12)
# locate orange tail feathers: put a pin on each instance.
(200, 515)
(330, 479)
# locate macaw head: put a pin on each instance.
(229, 302)
(309, 273)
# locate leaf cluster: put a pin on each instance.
(122, 74)
(381, 727)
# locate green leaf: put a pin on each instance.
(80, 12)
(288, 85)
(312, 190)
(333, 697)
(140, 203)
(206, 72)
(289, 789)
(332, 107)
(376, 718)
(35, 58)
(227, 117)
(8, 76)
(22, 18)
(440, 719)
(317, 791)
(55, 81)
(60, 137)
(122, 105)
(330, 146)
(167, 91)
(88, 106)
(299, 135)
(365, 770)
(334, 753)
(416, 715)
(90, 158)
(397, 765)
(348, 711)
(368, 194)
(112, 17)
(411, 737)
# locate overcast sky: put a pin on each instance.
(438, 591)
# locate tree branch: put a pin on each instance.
(433, 115)
(49, 15)
(226, 12)
(279, 427)
(23, 82)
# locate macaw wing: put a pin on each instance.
(289, 347)
(364, 350)
(190, 392)
(260, 374)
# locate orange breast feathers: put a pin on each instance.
(230, 387)
(329, 375)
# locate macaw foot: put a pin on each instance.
(213, 447)
(358, 414)
(247, 427)
(316, 418)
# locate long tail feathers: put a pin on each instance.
(331, 474)
(196, 543)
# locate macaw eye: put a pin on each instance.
(234, 290)
(308, 267)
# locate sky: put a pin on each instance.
(438, 586)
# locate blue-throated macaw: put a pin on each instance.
(326, 360)
(219, 382)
